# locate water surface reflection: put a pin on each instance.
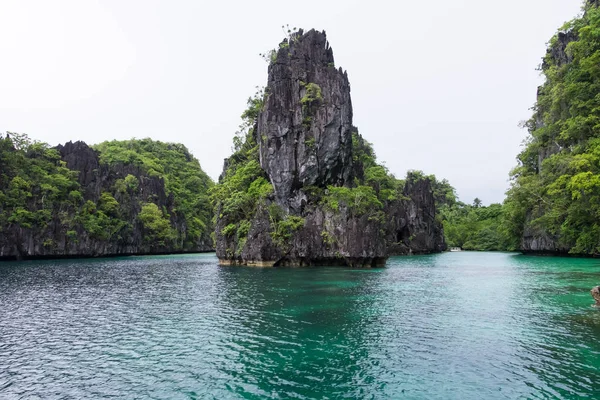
(456, 325)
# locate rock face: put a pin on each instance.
(326, 238)
(596, 295)
(305, 128)
(412, 227)
(536, 240)
(558, 52)
(66, 236)
(304, 135)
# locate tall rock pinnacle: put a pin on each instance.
(305, 188)
(304, 130)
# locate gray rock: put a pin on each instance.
(412, 227)
(596, 294)
(304, 134)
(558, 52)
(305, 142)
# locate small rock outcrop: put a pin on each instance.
(538, 241)
(596, 295)
(323, 199)
(558, 51)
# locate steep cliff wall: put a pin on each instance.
(305, 127)
(67, 202)
(304, 189)
(412, 224)
(553, 202)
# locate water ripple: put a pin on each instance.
(462, 325)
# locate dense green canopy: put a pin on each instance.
(35, 183)
(39, 193)
(183, 177)
(556, 187)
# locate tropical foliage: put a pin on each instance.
(183, 178)
(556, 186)
(475, 227)
(243, 184)
(37, 188)
(36, 185)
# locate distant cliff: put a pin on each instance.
(554, 203)
(303, 187)
(129, 197)
(412, 223)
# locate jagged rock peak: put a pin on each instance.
(304, 130)
(317, 212)
(82, 158)
(312, 44)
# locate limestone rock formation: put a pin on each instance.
(536, 239)
(596, 295)
(77, 228)
(412, 227)
(305, 128)
(323, 209)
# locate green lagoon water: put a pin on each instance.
(447, 326)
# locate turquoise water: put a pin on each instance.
(447, 326)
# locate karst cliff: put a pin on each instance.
(118, 198)
(303, 187)
(553, 204)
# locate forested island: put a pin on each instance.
(304, 187)
(553, 204)
(114, 198)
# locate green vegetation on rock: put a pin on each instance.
(312, 94)
(36, 185)
(372, 187)
(156, 224)
(42, 201)
(385, 185)
(243, 183)
(359, 200)
(555, 192)
(284, 227)
(183, 178)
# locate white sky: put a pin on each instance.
(437, 85)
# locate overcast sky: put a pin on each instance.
(437, 85)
